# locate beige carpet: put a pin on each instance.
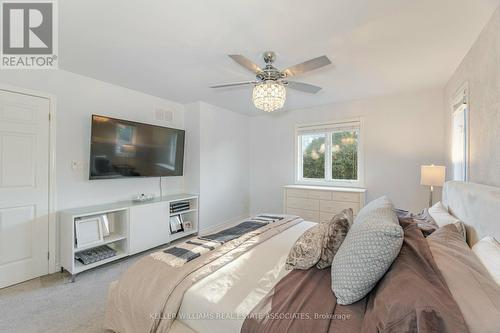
(52, 304)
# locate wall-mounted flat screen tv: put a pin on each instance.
(122, 149)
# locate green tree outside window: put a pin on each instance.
(313, 156)
(344, 153)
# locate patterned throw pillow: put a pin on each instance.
(335, 235)
(370, 247)
(306, 251)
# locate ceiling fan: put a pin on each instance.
(269, 91)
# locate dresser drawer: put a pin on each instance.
(346, 196)
(297, 193)
(337, 206)
(307, 215)
(325, 217)
(323, 195)
(309, 194)
(302, 203)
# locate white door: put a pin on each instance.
(24, 187)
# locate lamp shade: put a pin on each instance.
(432, 175)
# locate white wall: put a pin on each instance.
(192, 148)
(401, 133)
(237, 163)
(78, 97)
(222, 175)
(481, 69)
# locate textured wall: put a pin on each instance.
(481, 69)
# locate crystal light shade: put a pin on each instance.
(269, 96)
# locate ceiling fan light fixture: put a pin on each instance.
(269, 95)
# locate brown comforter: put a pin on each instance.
(411, 297)
(303, 301)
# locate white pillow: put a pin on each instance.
(442, 217)
(488, 252)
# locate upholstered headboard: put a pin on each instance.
(478, 206)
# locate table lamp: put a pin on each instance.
(432, 175)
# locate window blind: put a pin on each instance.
(329, 127)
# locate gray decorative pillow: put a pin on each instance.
(306, 251)
(370, 247)
(335, 235)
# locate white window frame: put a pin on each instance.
(460, 103)
(324, 128)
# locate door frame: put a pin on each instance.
(52, 232)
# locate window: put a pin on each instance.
(460, 136)
(329, 154)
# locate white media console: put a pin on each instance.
(133, 227)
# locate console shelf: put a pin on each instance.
(79, 267)
(182, 234)
(134, 227)
(107, 240)
(184, 212)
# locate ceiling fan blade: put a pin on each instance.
(305, 87)
(307, 66)
(233, 84)
(245, 62)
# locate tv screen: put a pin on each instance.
(121, 148)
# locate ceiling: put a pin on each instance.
(175, 49)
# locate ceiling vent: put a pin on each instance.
(164, 115)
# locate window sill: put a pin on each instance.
(346, 184)
(326, 188)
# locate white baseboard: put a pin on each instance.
(223, 225)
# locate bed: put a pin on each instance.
(217, 292)
(237, 287)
